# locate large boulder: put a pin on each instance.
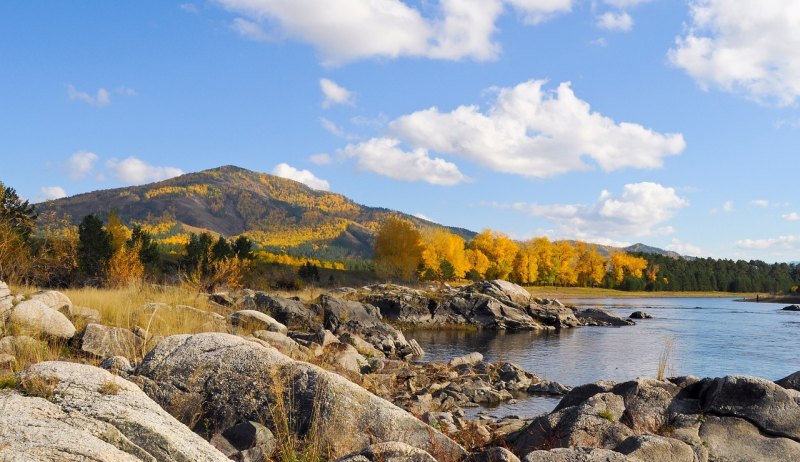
(505, 292)
(106, 341)
(389, 452)
(772, 408)
(577, 455)
(70, 411)
(288, 311)
(791, 381)
(6, 300)
(256, 320)
(37, 317)
(54, 299)
(733, 439)
(653, 448)
(215, 381)
(345, 316)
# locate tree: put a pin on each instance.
(309, 272)
(94, 246)
(623, 264)
(243, 248)
(198, 252)
(443, 247)
(564, 263)
(148, 249)
(590, 265)
(499, 249)
(19, 214)
(125, 266)
(398, 249)
(119, 232)
(221, 249)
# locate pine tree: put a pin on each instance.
(94, 246)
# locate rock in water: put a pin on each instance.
(225, 379)
(791, 308)
(40, 318)
(90, 414)
(640, 315)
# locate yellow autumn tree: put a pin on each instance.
(623, 264)
(590, 265)
(398, 249)
(442, 248)
(563, 262)
(119, 232)
(499, 249)
(125, 267)
(478, 261)
(540, 250)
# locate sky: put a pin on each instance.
(666, 122)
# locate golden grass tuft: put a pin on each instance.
(109, 387)
(38, 385)
(663, 360)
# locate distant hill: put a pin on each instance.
(280, 215)
(643, 248)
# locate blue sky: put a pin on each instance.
(614, 121)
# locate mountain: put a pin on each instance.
(280, 215)
(644, 248)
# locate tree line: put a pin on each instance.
(403, 252)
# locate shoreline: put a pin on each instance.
(569, 293)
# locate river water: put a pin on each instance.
(709, 337)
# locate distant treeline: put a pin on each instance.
(708, 274)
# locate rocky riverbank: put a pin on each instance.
(331, 379)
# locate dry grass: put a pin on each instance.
(663, 360)
(109, 387)
(38, 385)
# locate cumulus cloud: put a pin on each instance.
(335, 93)
(641, 210)
(321, 159)
(780, 243)
(752, 48)
(285, 170)
(250, 30)
(763, 203)
(620, 21)
(136, 171)
(347, 30)
(81, 164)
(792, 216)
(384, 157)
(684, 248)
(537, 133)
(53, 192)
(101, 99)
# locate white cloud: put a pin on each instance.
(53, 192)
(136, 171)
(81, 164)
(780, 243)
(335, 93)
(101, 99)
(285, 170)
(384, 157)
(684, 248)
(792, 216)
(752, 48)
(334, 129)
(250, 30)
(537, 133)
(641, 210)
(321, 159)
(620, 21)
(763, 203)
(347, 30)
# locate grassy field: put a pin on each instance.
(594, 292)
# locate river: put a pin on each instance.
(709, 337)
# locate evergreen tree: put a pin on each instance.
(198, 252)
(94, 246)
(148, 252)
(21, 215)
(243, 248)
(221, 250)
